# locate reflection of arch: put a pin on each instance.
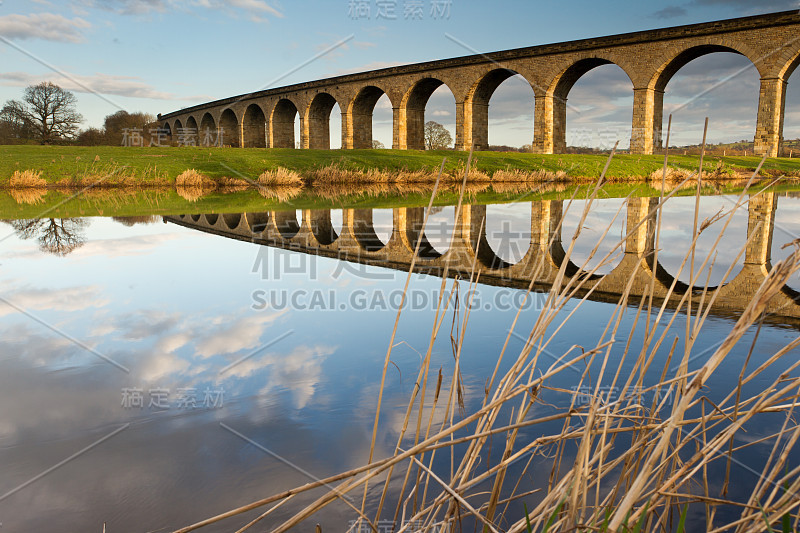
(196, 218)
(211, 219)
(208, 130)
(474, 225)
(478, 99)
(286, 223)
(364, 230)
(413, 105)
(319, 121)
(560, 89)
(257, 222)
(282, 120)
(413, 226)
(507, 243)
(319, 222)
(232, 220)
(361, 109)
(228, 129)
(254, 127)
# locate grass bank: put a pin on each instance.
(152, 167)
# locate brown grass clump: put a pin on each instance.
(192, 185)
(536, 176)
(28, 195)
(193, 178)
(27, 179)
(280, 176)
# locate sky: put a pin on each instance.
(158, 56)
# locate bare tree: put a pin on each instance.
(51, 112)
(377, 145)
(14, 123)
(436, 136)
(58, 236)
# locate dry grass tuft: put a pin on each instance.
(280, 176)
(27, 179)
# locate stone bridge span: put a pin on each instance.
(649, 58)
(358, 242)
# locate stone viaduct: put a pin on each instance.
(358, 242)
(649, 58)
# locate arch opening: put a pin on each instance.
(232, 220)
(364, 230)
(228, 129)
(321, 134)
(791, 112)
(211, 219)
(165, 135)
(321, 226)
(676, 235)
(284, 124)
(208, 133)
(368, 112)
(254, 127)
(192, 132)
(286, 223)
(690, 89)
(503, 112)
(178, 132)
(257, 222)
(508, 230)
(599, 111)
(433, 97)
(584, 257)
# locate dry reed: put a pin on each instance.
(27, 179)
(616, 462)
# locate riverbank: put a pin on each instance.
(62, 166)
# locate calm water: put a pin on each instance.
(153, 375)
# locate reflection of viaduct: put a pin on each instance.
(649, 58)
(359, 243)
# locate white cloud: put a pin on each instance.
(234, 334)
(129, 86)
(46, 26)
(256, 9)
(69, 299)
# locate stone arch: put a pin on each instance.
(559, 90)
(679, 58)
(232, 220)
(321, 226)
(282, 124)
(254, 127)
(195, 218)
(257, 222)
(319, 121)
(166, 131)
(360, 113)
(412, 108)
(286, 223)
(211, 219)
(478, 98)
(192, 132)
(364, 230)
(208, 131)
(229, 130)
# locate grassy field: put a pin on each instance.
(67, 165)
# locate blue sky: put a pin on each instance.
(161, 55)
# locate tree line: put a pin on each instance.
(47, 114)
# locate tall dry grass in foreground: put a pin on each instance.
(629, 463)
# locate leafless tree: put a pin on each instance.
(58, 236)
(436, 136)
(50, 111)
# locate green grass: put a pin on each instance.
(152, 166)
